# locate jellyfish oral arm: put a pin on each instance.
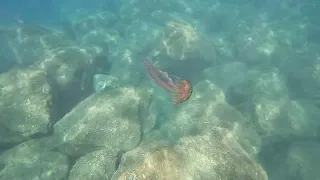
(155, 74)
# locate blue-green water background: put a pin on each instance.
(298, 62)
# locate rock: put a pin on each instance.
(213, 155)
(237, 81)
(70, 72)
(296, 120)
(302, 158)
(269, 96)
(102, 82)
(264, 98)
(66, 65)
(228, 75)
(304, 77)
(97, 165)
(25, 106)
(30, 160)
(206, 108)
(109, 121)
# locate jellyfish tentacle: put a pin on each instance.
(155, 74)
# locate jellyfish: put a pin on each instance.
(181, 89)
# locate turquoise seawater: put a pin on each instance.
(159, 90)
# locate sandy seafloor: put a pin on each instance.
(76, 102)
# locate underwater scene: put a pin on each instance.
(159, 90)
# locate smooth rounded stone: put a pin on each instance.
(211, 155)
(102, 82)
(97, 165)
(31, 160)
(25, 106)
(31, 44)
(108, 120)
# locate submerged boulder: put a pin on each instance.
(207, 108)
(212, 155)
(31, 160)
(70, 72)
(110, 121)
(25, 106)
(97, 165)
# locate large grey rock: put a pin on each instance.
(31, 160)
(228, 75)
(109, 120)
(212, 155)
(297, 120)
(264, 98)
(275, 114)
(25, 106)
(98, 165)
